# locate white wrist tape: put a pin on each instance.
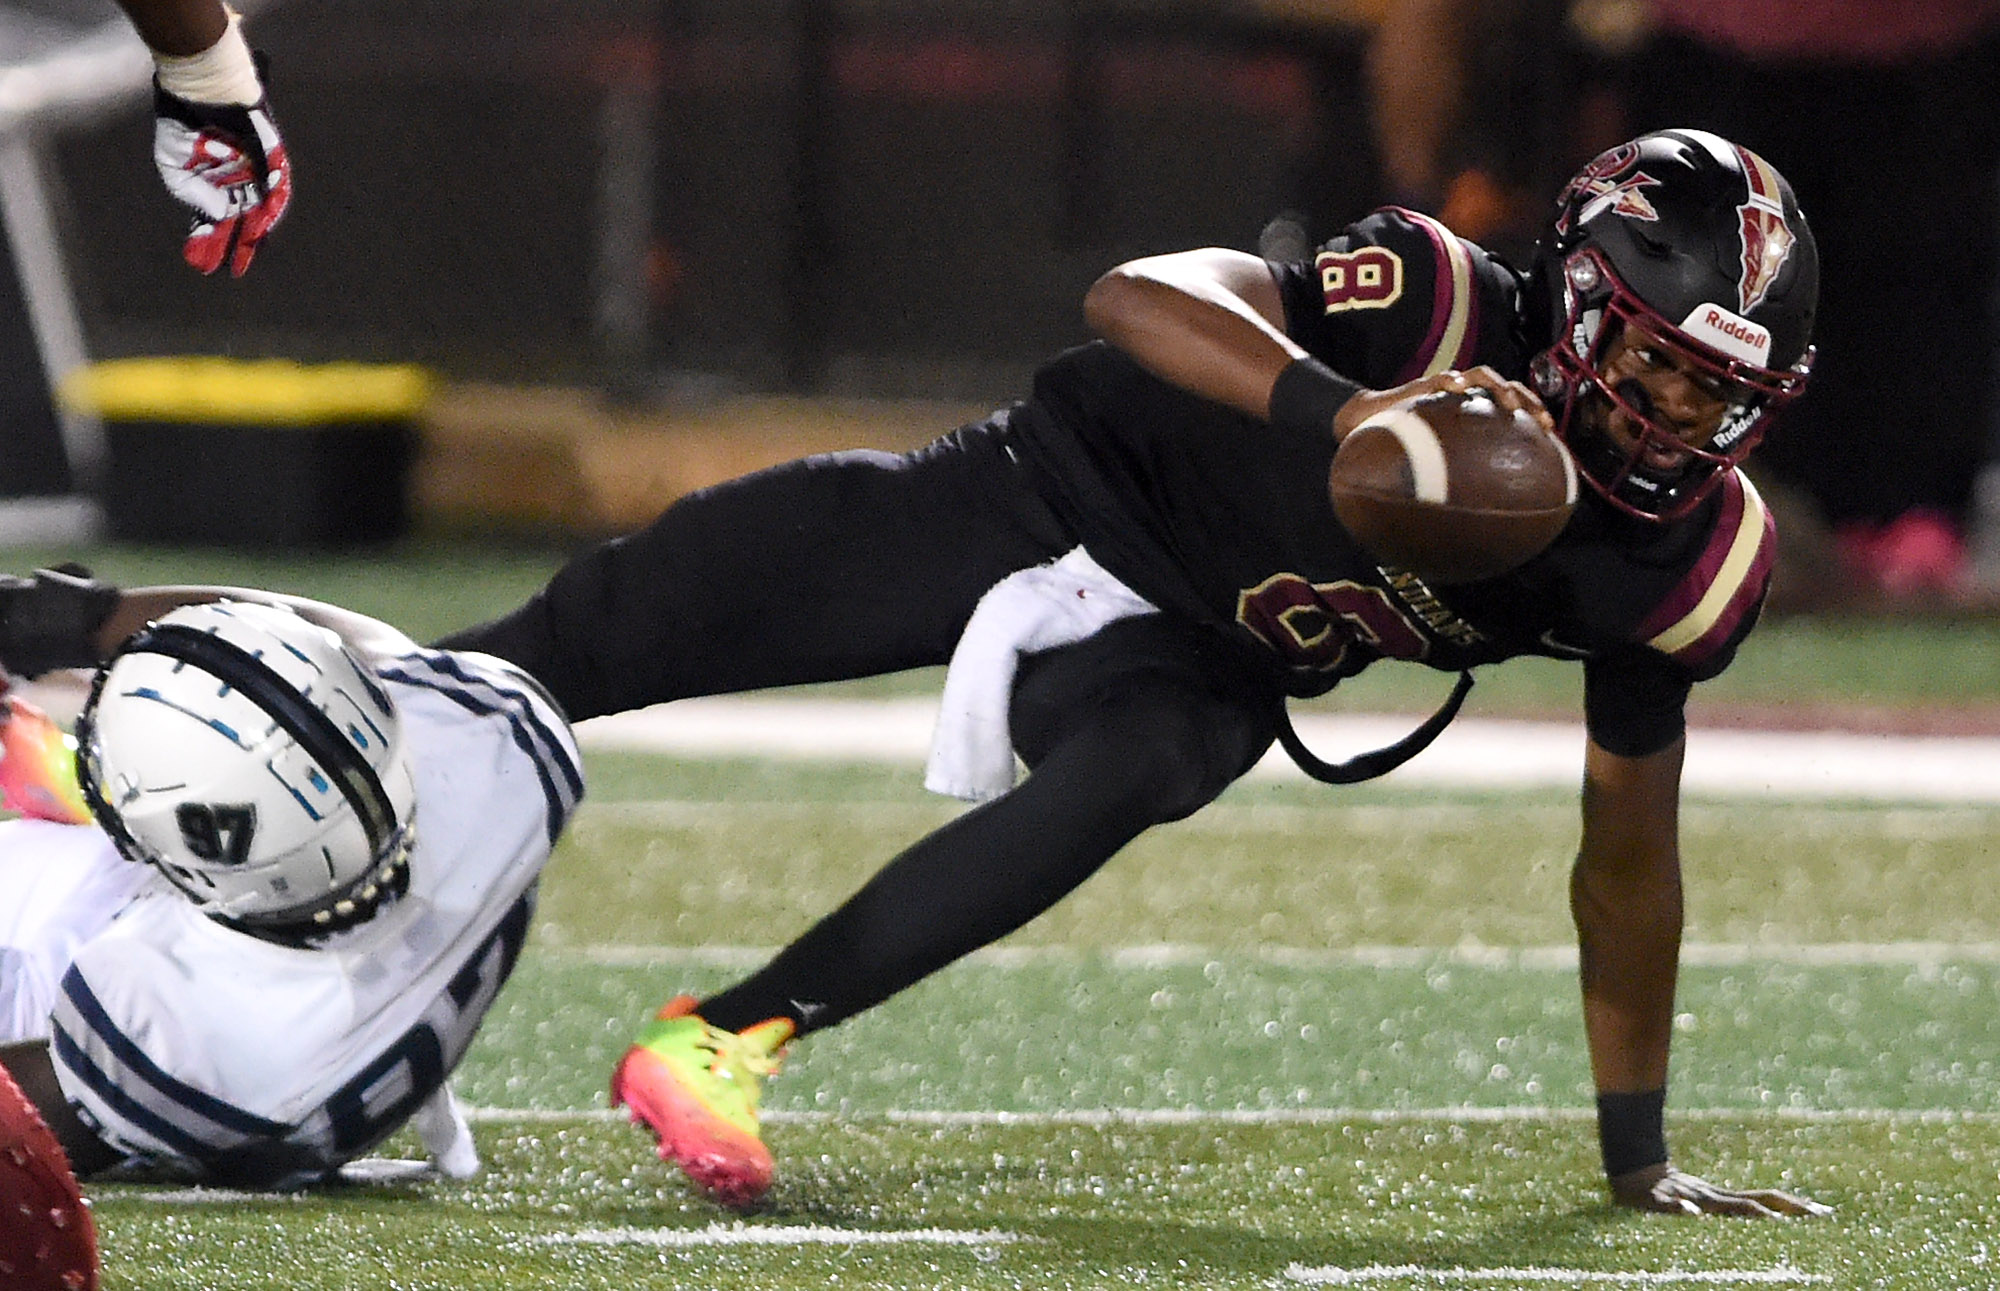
(222, 73)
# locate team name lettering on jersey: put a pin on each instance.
(1423, 602)
(1368, 278)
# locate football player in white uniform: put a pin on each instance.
(339, 836)
(62, 883)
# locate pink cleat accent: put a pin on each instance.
(697, 1088)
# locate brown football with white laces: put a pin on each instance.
(1453, 487)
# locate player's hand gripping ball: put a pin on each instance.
(1453, 487)
(47, 1242)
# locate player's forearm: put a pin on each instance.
(1208, 322)
(177, 28)
(1628, 936)
(1625, 896)
(64, 618)
(1628, 968)
(141, 605)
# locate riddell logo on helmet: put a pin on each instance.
(1732, 334)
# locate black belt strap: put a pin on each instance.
(1378, 762)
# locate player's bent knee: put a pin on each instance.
(1168, 760)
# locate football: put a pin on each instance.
(47, 1242)
(1453, 487)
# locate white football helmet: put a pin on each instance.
(249, 756)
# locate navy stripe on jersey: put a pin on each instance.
(544, 736)
(93, 1016)
(74, 1060)
(504, 688)
(541, 735)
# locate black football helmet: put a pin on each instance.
(1699, 245)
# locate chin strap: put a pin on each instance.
(1379, 762)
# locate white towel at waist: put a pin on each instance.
(972, 750)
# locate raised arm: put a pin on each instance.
(177, 28)
(215, 142)
(1625, 895)
(1209, 321)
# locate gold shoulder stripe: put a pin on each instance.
(1736, 566)
(1458, 312)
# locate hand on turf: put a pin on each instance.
(1511, 395)
(226, 164)
(1667, 1191)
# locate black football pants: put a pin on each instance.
(832, 567)
(854, 564)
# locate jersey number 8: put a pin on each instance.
(1370, 278)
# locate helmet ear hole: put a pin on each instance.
(253, 759)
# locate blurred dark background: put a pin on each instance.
(864, 196)
(665, 207)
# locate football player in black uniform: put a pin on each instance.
(1130, 570)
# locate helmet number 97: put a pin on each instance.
(217, 832)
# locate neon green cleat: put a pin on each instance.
(37, 765)
(697, 1088)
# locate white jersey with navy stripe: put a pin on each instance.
(241, 1061)
(62, 886)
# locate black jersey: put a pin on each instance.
(1213, 514)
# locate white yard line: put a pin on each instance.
(1108, 1117)
(776, 1235)
(1932, 821)
(1927, 955)
(205, 1196)
(1477, 753)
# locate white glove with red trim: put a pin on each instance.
(218, 149)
